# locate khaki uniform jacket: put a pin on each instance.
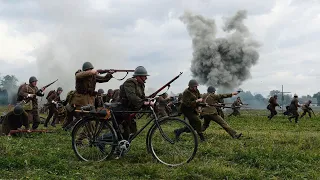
(211, 99)
(85, 88)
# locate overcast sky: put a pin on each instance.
(52, 39)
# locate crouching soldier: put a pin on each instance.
(14, 120)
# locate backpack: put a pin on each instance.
(69, 96)
(20, 98)
(49, 94)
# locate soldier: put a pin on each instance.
(294, 108)
(306, 109)
(53, 100)
(132, 97)
(210, 112)
(29, 93)
(191, 100)
(115, 95)
(99, 100)
(236, 107)
(272, 106)
(164, 102)
(84, 93)
(108, 97)
(14, 120)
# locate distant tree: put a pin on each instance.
(317, 95)
(274, 92)
(9, 86)
(259, 97)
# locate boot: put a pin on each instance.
(177, 132)
(237, 136)
(201, 136)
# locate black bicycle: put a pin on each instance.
(97, 136)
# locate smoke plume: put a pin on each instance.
(221, 62)
(74, 39)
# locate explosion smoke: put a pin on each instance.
(221, 62)
(74, 40)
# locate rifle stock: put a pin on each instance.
(25, 130)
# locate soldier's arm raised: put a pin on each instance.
(130, 91)
(220, 96)
(102, 79)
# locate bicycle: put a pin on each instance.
(102, 146)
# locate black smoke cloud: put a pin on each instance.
(221, 62)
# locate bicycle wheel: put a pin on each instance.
(93, 140)
(180, 150)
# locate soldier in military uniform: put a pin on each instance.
(84, 93)
(191, 100)
(236, 107)
(53, 101)
(164, 102)
(14, 120)
(219, 109)
(132, 97)
(99, 100)
(210, 113)
(29, 93)
(115, 95)
(306, 109)
(272, 106)
(294, 108)
(108, 97)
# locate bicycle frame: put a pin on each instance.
(131, 138)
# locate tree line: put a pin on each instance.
(9, 87)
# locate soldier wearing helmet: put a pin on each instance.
(236, 107)
(294, 108)
(306, 109)
(191, 100)
(108, 96)
(29, 93)
(84, 93)
(210, 112)
(14, 120)
(53, 99)
(132, 97)
(272, 106)
(99, 98)
(164, 103)
(116, 95)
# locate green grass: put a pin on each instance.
(274, 149)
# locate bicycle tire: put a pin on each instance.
(97, 142)
(192, 143)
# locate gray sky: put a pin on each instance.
(51, 39)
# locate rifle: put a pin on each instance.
(44, 87)
(139, 115)
(103, 71)
(164, 86)
(28, 131)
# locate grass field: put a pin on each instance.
(274, 149)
